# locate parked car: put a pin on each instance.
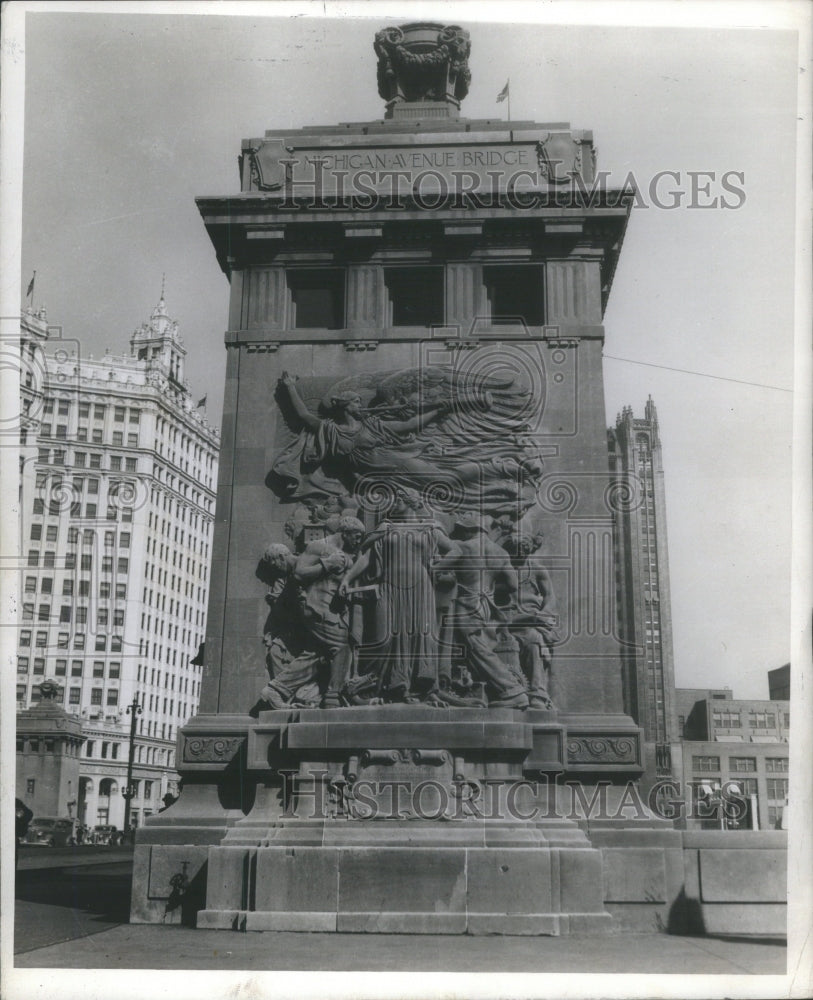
(49, 831)
(104, 833)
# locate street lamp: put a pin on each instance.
(133, 710)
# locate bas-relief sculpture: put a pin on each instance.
(411, 573)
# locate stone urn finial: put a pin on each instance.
(49, 690)
(423, 69)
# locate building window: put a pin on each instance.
(76, 668)
(762, 720)
(96, 699)
(705, 763)
(65, 614)
(61, 668)
(104, 589)
(74, 696)
(62, 640)
(22, 664)
(123, 565)
(115, 463)
(742, 764)
(25, 637)
(98, 411)
(95, 461)
(130, 465)
(514, 294)
(101, 643)
(748, 786)
(118, 439)
(36, 533)
(115, 644)
(89, 748)
(777, 789)
(98, 668)
(80, 459)
(84, 410)
(317, 299)
(114, 670)
(118, 414)
(33, 557)
(44, 613)
(39, 665)
(47, 584)
(775, 814)
(415, 296)
(776, 764)
(28, 612)
(79, 640)
(113, 697)
(67, 588)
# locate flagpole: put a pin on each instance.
(31, 286)
(509, 98)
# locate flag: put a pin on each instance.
(503, 93)
(202, 402)
(30, 290)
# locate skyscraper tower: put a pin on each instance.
(642, 562)
(118, 469)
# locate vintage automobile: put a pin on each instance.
(106, 834)
(49, 831)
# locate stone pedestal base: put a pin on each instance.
(381, 819)
(406, 890)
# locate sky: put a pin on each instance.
(129, 117)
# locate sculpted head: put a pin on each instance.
(528, 544)
(278, 556)
(352, 532)
(346, 402)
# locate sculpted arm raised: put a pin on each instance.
(310, 420)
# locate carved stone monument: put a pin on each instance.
(411, 634)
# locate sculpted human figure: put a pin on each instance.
(538, 617)
(361, 440)
(480, 567)
(327, 615)
(293, 668)
(460, 438)
(397, 555)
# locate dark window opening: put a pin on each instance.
(515, 294)
(317, 298)
(415, 296)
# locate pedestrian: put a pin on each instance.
(22, 817)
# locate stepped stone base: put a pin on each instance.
(381, 819)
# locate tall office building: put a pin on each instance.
(642, 566)
(118, 469)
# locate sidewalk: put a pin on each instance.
(160, 947)
(72, 908)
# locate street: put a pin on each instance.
(69, 892)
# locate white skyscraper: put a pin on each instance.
(118, 473)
